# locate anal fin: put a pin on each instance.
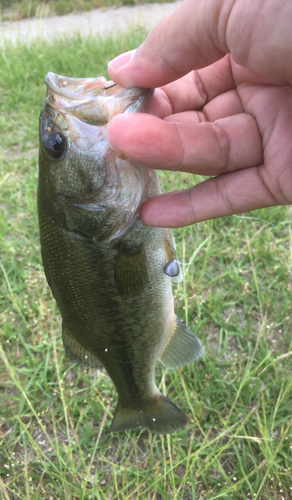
(182, 348)
(76, 352)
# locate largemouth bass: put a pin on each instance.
(110, 275)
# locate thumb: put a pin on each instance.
(199, 32)
(180, 42)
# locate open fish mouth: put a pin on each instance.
(94, 100)
(78, 87)
(82, 107)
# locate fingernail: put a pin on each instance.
(121, 60)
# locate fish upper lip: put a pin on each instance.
(58, 85)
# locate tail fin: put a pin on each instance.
(160, 416)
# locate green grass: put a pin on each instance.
(13, 10)
(236, 295)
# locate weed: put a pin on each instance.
(236, 296)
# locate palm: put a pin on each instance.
(270, 103)
(239, 131)
(222, 121)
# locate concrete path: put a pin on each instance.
(100, 21)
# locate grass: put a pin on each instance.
(13, 10)
(236, 295)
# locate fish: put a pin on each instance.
(110, 275)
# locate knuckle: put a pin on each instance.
(192, 212)
(222, 192)
(201, 88)
(261, 172)
(223, 143)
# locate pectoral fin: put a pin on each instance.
(131, 274)
(182, 348)
(76, 352)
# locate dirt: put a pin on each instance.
(100, 21)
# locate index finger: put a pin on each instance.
(194, 90)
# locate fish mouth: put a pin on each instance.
(75, 88)
(94, 100)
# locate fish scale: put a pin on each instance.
(110, 275)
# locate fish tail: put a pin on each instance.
(160, 416)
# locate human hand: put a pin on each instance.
(227, 116)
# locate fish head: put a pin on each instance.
(77, 166)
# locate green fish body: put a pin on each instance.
(110, 275)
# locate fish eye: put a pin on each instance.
(55, 144)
